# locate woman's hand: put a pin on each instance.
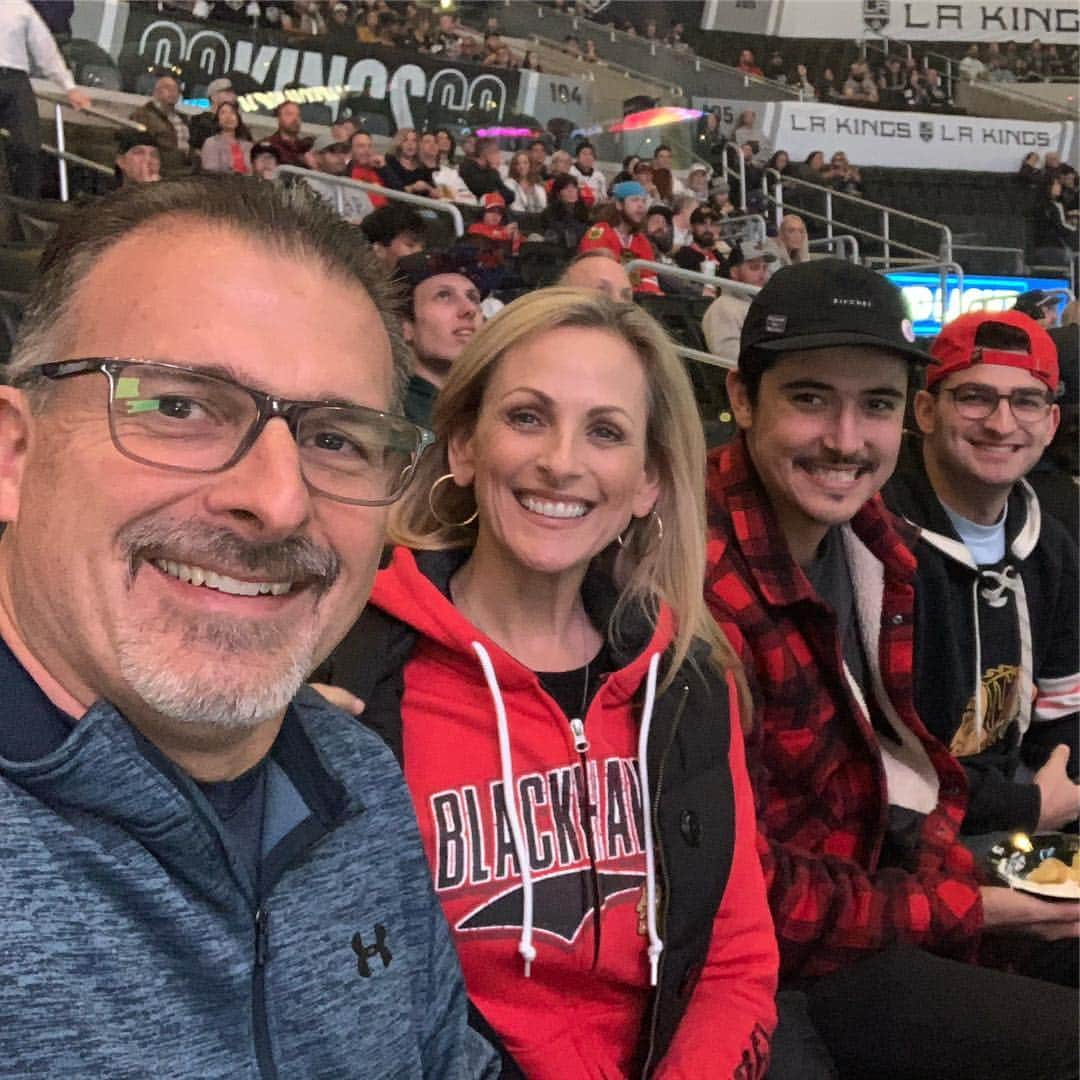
(345, 701)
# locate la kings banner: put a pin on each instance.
(913, 140)
(903, 20)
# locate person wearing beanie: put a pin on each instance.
(442, 313)
(996, 630)
(138, 160)
(622, 232)
(878, 908)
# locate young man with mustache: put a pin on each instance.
(996, 647)
(206, 868)
(877, 906)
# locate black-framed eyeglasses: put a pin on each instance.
(977, 401)
(186, 420)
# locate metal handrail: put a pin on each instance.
(736, 288)
(841, 240)
(634, 41)
(706, 358)
(887, 212)
(59, 103)
(342, 182)
(832, 238)
(611, 65)
(740, 172)
(759, 229)
(91, 110)
(1017, 253)
(77, 159)
(946, 270)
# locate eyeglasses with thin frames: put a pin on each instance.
(977, 401)
(186, 420)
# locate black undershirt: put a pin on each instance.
(32, 727)
(239, 805)
(568, 687)
(830, 576)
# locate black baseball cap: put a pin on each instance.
(128, 138)
(1034, 303)
(826, 302)
(413, 270)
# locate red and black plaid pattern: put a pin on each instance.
(813, 755)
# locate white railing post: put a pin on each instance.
(61, 163)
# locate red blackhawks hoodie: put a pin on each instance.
(564, 984)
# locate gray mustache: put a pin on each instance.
(296, 558)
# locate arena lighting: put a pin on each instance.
(650, 118)
(988, 292)
(505, 133)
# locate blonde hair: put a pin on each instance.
(653, 566)
(398, 141)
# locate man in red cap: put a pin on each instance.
(878, 907)
(996, 639)
(623, 233)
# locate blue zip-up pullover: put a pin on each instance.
(135, 941)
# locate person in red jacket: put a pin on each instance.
(622, 232)
(876, 902)
(493, 230)
(567, 716)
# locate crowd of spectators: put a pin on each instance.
(528, 194)
(1055, 214)
(343, 24)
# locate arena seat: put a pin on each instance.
(30, 221)
(11, 307)
(19, 266)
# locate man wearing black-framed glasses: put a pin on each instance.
(206, 865)
(996, 594)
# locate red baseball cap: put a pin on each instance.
(954, 349)
(492, 200)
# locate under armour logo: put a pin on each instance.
(364, 953)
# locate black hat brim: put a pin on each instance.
(912, 353)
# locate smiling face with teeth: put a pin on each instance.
(557, 458)
(824, 435)
(197, 603)
(973, 464)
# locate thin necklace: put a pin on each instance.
(585, 691)
(456, 598)
(588, 663)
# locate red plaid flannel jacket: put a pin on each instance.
(813, 755)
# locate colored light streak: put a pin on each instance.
(650, 118)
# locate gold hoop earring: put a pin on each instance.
(622, 541)
(438, 517)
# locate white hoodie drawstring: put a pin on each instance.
(656, 946)
(525, 945)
